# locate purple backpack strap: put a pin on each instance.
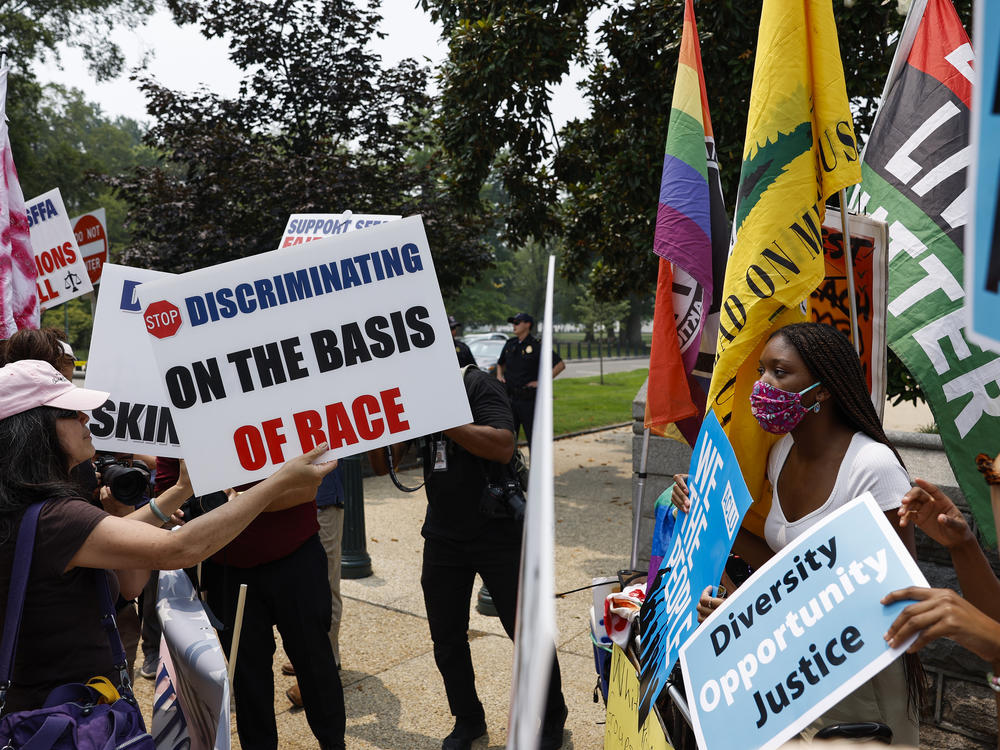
(23, 550)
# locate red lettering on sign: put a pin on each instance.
(367, 412)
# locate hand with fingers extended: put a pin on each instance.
(942, 613)
(679, 496)
(929, 508)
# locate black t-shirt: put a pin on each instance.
(463, 353)
(61, 638)
(519, 360)
(453, 495)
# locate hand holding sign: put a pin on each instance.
(801, 634)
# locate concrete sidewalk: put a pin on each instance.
(394, 695)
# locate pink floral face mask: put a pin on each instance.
(779, 411)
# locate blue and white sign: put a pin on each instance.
(695, 559)
(804, 632)
(136, 418)
(982, 256)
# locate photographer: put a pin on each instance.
(472, 526)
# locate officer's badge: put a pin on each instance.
(527, 349)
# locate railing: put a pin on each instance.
(598, 349)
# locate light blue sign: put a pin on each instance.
(982, 263)
(695, 559)
(801, 634)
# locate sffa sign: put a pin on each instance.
(344, 340)
(162, 318)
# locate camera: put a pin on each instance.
(503, 500)
(127, 478)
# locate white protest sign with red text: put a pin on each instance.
(344, 340)
(91, 232)
(303, 228)
(62, 274)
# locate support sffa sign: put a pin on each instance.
(801, 634)
(342, 340)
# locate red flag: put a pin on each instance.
(668, 394)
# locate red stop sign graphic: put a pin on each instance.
(93, 244)
(162, 319)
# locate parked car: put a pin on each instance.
(492, 336)
(487, 351)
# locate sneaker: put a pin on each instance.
(465, 731)
(149, 665)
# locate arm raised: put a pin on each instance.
(119, 543)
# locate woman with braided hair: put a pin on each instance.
(813, 392)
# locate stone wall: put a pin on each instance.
(960, 709)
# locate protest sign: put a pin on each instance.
(62, 274)
(621, 730)
(344, 340)
(829, 303)
(308, 227)
(136, 417)
(535, 624)
(770, 660)
(197, 666)
(982, 261)
(91, 232)
(696, 557)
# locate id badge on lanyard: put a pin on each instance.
(440, 454)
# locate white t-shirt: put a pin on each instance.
(868, 466)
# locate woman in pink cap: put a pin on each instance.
(43, 433)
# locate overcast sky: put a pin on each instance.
(180, 58)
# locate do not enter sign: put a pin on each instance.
(162, 319)
(92, 239)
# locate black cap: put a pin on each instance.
(452, 323)
(521, 317)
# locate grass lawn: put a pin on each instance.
(582, 403)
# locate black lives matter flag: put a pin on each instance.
(914, 178)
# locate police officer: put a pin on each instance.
(465, 534)
(517, 367)
(462, 350)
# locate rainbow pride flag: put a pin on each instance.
(692, 241)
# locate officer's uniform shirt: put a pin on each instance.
(463, 353)
(520, 361)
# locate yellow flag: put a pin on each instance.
(800, 149)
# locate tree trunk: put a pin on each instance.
(630, 332)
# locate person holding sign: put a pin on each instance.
(812, 391)
(973, 621)
(43, 434)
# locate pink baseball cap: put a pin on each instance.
(28, 383)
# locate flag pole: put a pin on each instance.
(640, 490)
(849, 268)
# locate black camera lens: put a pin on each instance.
(127, 484)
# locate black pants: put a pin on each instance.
(294, 594)
(449, 572)
(524, 416)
